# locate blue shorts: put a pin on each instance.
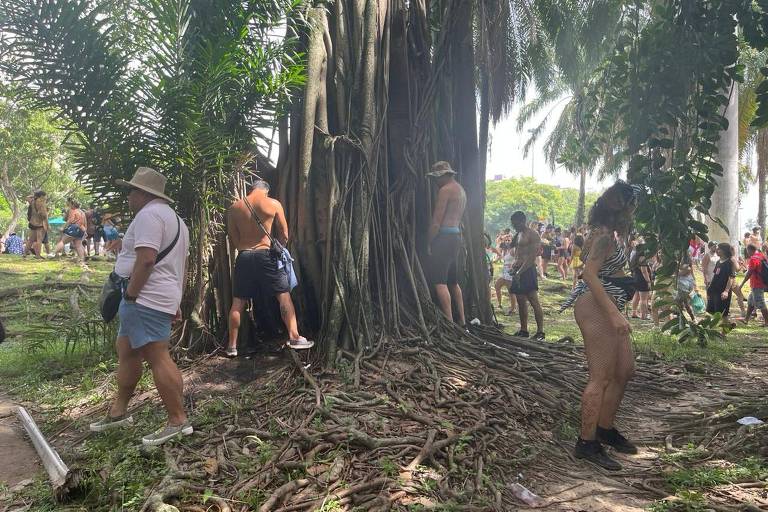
(143, 325)
(757, 298)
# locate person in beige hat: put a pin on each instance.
(444, 240)
(152, 265)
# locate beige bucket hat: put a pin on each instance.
(440, 168)
(148, 180)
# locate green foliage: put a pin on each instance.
(660, 98)
(31, 158)
(547, 203)
(750, 469)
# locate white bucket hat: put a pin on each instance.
(440, 168)
(148, 180)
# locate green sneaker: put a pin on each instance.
(109, 422)
(166, 433)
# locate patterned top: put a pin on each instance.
(614, 263)
(14, 245)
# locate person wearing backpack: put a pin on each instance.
(757, 273)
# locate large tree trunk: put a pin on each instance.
(581, 205)
(726, 194)
(13, 199)
(380, 105)
(762, 175)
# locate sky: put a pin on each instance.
(506, 159)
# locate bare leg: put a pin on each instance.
(238, 306)
(288, 314)
(522, 306)
(538, 313)
(643, 304)
(740, 299)
(625, 369)
(635, 302)
(601, 351)
(129, 370)
(60, 245)
(512, 303)
(458, 298)
(79, 249)
(167, 379)
(499, 286)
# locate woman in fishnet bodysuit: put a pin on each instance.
(598, 303)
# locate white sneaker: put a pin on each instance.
(109, 422)
(231, 352)
(167, 433)
(301, 344)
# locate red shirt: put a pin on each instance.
(755, 261)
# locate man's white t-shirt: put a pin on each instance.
(155, 226)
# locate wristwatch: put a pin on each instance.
(129, 298)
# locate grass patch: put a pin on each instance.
(647, 340)
(748, 470)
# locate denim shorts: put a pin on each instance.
(143, 325)
(757, 298)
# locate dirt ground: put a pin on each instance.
(574, 486)
(564, 484)
(18, 460)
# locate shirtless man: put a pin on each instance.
(444, 240)
(524, 284)
(256, 269)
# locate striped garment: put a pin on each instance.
(611, 265)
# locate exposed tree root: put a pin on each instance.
(452, 421)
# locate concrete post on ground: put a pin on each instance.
(725, 199)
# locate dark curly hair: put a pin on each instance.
(614, 208)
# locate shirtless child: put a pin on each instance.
(524, 283)
(444, 240)
(256, 269)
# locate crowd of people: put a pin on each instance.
(85, 233)
(593, 259)
(613, 279)
(534, 250)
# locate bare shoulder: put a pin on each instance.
(601, 245)
(530, 237)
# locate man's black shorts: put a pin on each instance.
(256, 273)
(445, 255)
(526, 282)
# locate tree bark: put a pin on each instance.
(468, 157)
(14, 201)
(581, 205)
(726, 195)
(762, 174)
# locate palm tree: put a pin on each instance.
(187, 87)
(566, 91)
(753, 137)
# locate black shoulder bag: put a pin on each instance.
(275, 247)
(115, 286)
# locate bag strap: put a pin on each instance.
(168, 249)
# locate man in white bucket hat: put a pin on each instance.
(152, 263)
(444, 240)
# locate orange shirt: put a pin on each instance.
(76, 216)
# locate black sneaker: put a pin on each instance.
(612, 438)
(539, 336)
(593, 452)
(521, 334)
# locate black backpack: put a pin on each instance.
(763, 272)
